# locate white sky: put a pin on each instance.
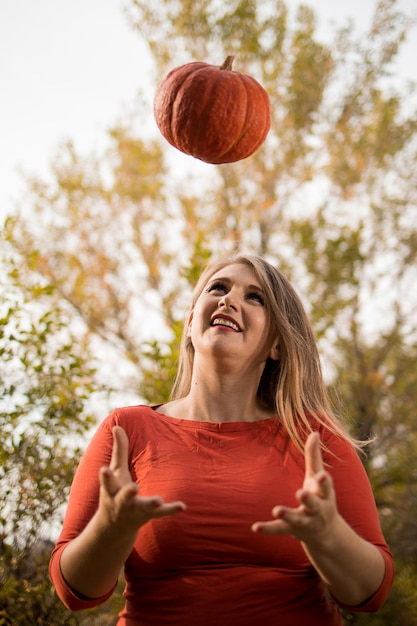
(70, 68)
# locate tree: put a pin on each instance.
(330, 198)
(46, 382)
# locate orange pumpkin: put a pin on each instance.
(214, 113)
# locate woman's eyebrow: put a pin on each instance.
(225, 279)
(222, 279)
(256, 288)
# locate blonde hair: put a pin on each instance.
(292, 386)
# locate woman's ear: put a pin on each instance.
(274, 353)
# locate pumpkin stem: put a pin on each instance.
(227, 63)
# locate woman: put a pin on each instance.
(220, 505)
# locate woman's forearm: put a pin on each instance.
(351, 568)
(92, 562)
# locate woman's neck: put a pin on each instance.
(220, 397)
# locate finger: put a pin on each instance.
(120, 451)
(271, 528)
(170, 508)
(325, 482)
(108, 481)
(152, 506)
(313, 457)
(313, 499)
(308, 499)
(128, 495)
(291, 517)
(281, 525)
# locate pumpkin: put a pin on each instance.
(213, 113)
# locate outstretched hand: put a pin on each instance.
(313, 518)
(120, 503)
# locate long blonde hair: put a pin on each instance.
(292, 386)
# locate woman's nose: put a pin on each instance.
(229, 300)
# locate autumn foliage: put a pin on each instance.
(111, 246)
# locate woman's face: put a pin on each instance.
(230, 319)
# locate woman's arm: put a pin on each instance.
(352, 568)
(91, 563)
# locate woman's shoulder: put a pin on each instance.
(128, 417)
(132, 411)
(340, 451)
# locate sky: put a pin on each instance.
(70, 69)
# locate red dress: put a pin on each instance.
(205, 566)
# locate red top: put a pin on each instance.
(205, 566)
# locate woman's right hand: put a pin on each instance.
(120, 503)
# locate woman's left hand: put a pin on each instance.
(312, 520)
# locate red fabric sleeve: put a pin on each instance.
(82, 505)
(377, 600)
(70, 598)
(356, 504)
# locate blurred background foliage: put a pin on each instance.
(99, 263)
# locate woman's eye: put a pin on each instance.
(217, 287)
(257, 297)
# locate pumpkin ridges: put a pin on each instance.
(213, 113)
(256, 126)
(189, 123)
(166, 96)
(221, 113)
(245, 144)
(243, 131)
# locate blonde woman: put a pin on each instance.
(242, 500)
